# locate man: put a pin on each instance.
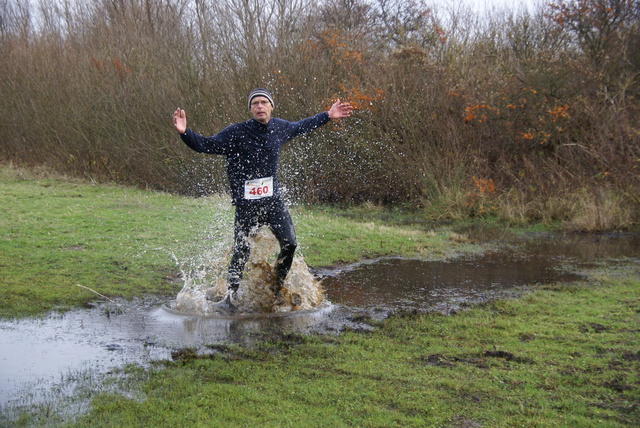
(252, 149)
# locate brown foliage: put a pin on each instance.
(542, 103)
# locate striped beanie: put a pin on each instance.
(260, 92)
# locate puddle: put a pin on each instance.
(391, 284)
(38, 355)
(46, 358)
(586, 248)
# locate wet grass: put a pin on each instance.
(564, 355)
(561, 356)
(329, 236)
(56, 234)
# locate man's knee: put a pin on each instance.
(288, 247)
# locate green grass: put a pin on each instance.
(56, 234)
(329, 236)
(564, 355)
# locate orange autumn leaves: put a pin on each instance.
(480, 201)
(356, 96)
(524, 114)
(348, 66)
(115, 65)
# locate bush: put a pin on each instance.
(542, 103)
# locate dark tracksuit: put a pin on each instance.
(251, 150)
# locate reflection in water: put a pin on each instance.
(39, 355)
(195, 331)
(403, 284)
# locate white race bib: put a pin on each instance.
(258, 188)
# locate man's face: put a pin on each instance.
(261, 109)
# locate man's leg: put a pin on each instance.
(282, 227)
(236, 266)
(244, 221)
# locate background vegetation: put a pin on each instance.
(523, 115)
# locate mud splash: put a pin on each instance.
(301, 290)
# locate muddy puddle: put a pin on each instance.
(47, 358)
(401, 284)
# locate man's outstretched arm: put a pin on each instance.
(338, 110)
(214, 144)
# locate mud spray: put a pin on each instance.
(301, 290)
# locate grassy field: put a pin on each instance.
(58, 234)
(125, 242)
(564, 355)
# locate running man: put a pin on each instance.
(251, 150)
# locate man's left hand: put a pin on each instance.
(339, 110)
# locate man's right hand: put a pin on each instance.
(180, 121)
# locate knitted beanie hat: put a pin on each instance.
(260, 92)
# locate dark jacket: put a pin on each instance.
(251, 148)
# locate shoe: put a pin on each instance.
(296, 299)
(227, 303)
(211, 294)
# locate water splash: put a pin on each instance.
(301, 290)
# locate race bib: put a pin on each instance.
(258, 188)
